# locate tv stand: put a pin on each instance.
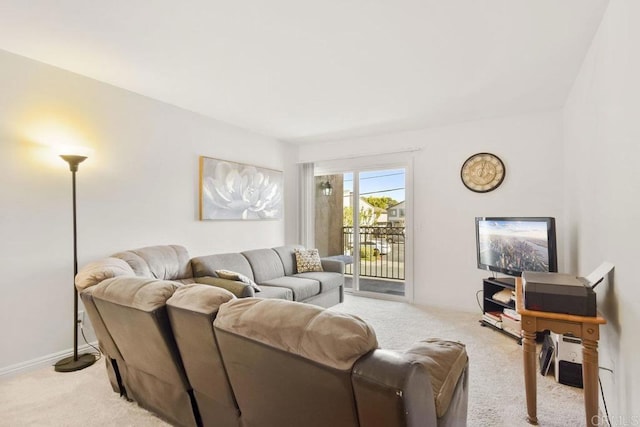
(507, 281)
(490, 286)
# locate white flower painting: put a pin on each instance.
(231, 190)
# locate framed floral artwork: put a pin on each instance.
(236, 191)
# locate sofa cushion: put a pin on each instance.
(239, 289)
(302, 288)
(207, 265)
(188, 281)
(140, 293)
(445, 361)
(275, 292)
(326, 279)
(332, 339)
(97, 271)
(307, 260)
(288, 258)
(265, 263)
(169, 262)
(232, 275)
(199, 298)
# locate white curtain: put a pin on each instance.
(306, 222)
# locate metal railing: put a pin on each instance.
(381, 251)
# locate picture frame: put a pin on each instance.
(237, 191)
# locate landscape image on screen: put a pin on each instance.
(514, 245)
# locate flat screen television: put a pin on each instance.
(511, 245)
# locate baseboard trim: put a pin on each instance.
(40, 362)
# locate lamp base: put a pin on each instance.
(68, 364)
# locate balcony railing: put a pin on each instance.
(381, 251)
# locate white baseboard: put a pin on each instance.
(40, 362)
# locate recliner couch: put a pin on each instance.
(195, 354)
(275, 271)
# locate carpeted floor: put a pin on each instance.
(496, 380)
(496, 391)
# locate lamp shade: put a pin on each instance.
(74, 160)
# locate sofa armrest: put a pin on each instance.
(446, 362)
(332, 265)
(426, 382)
(391, 390)
(239, 289)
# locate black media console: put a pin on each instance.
(490, 287)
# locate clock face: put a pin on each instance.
(482, 172)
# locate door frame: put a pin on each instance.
(364, 164)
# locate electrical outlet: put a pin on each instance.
(80, 319)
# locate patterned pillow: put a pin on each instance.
(308, 260)
(232, 275)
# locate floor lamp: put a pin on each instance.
(75, 362)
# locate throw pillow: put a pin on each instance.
(232, 275)
(308, 260)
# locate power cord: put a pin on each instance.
(478, 301)
(98, 353)
(604, 401)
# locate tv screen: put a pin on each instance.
(512, 245)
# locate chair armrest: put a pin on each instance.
(239, 289)
(332, 265)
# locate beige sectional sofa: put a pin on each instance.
(274, 270)
(196, 355)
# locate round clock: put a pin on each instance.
(482, 172)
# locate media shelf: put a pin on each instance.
(490, 286)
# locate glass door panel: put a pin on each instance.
(381, 227)
(360, 220)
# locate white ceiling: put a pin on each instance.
(316, 70)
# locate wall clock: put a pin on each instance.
(482, 172)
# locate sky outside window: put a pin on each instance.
(380, 183)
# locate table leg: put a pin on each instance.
(529, 357)
(590, 380)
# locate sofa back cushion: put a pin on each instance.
(97, 271)
(265, 263)
(288, 257)
(116, 368)
(192, 309)
(301, 329)
(134, 312)
(290, 363)
(167, 262)
(204, 266)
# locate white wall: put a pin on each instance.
(139, 187)
(445, 272)
(602, 143)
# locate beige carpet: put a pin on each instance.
(496, 392)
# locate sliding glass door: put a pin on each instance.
(360, 218)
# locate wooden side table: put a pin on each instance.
(585, 327)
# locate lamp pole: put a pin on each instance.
(75, 362)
